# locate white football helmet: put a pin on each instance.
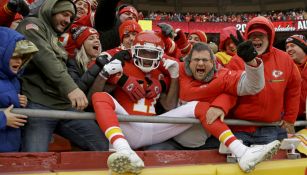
(147, 50)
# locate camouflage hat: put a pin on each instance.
(24, 47)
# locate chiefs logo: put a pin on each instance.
(277, 73)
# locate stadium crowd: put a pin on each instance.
(289, 15)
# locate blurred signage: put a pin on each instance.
(208, 27)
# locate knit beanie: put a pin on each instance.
(81, 33)
(202, 35)
(128, 26)
(63, 5)
(299, 40)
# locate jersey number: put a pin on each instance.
(140, 106)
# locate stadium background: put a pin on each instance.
(226, 7)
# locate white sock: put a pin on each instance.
(237, 148)
(121, 144)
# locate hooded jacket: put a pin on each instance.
(279, 100)
(9, 89)
(46, 80)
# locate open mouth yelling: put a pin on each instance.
(15, 68)
(96, 48)
(200, 71)
(257, 45)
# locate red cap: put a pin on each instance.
(128, 26)
(260, 30)
(80, 34)
(129, 9)
(202, 35)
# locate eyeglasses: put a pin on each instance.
(199, 59)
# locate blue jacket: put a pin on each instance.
(10, 138)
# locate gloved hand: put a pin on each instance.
(18, 6)
(122, 56)
(245, 49)
(172, 67)
(102, 60)
(154, 87)
(167, 30)
(111, 68)
(132, 87)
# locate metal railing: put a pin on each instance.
(60, 114)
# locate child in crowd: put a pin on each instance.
(15, 53)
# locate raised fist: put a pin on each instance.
(172, 67)
(245, 49)
(18, 6)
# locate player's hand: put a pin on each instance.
(214, 113)
(132, 87)
(78, 99)
(14, 120)
(172, 67)
(154, 88)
